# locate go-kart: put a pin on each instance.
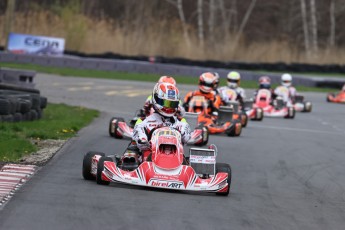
(297, 101)
(223, 122)
(336, 98)
(118, 128)
(166, 167)
(254, 113)
(273, 108)
(238, 112)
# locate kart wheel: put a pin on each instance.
(259, 114)
(206, 135)
(223, 167)
(307, 107)
(111, 133)
(87, 164)
(290, 114)
(116, 126)
(235, 129)
(244, 120)
(329, 96)
(100, 167)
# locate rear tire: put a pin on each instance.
(307, 107)
(244, 120)
(259, 114)
(113, 134)
(100, 168)
(223, 167)
(87, 164)
(110, 125)
(236, 129)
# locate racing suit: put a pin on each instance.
(241, 95)
(214, 101)
(288, 97)
(143, 130)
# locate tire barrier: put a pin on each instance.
(20, 104)
(179, 67)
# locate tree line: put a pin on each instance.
(307, 25)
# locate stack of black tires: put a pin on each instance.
(20, 104)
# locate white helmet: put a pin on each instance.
(233, 79)
(286, 80)
(165, 99)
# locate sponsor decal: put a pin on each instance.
(202, 159)
(166, 184)
(171, 94)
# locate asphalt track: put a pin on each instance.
(287, 174)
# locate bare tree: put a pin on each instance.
(313, 26)
(305, 27)
(211, 20)
(200, 23)
(332, 24)
(243, 23)
(11, 4)
(179, 5)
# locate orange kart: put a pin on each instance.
(336, 98)
(221, 123)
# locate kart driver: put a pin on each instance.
(265, 83)
(286, 81)
(233, 82)
(207, 82)
(165, 101)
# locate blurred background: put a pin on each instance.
(303, 31)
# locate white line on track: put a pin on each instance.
(298, 130)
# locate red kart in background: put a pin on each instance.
(336, 98)
(273, 108)
(166, 167)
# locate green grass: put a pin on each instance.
(139, 76)
(59, 122)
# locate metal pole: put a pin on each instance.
(9, 19)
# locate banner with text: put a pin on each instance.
(31, 44)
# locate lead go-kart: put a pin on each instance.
(273, 108)
(119, 128)
(166, 167)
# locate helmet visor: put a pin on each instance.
(233, 80)
(166, 103)
(287, 81)
(207, 84)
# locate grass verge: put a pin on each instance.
(137, 76)
(59, 122)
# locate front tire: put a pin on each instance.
(100, 168)
(223, 167)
